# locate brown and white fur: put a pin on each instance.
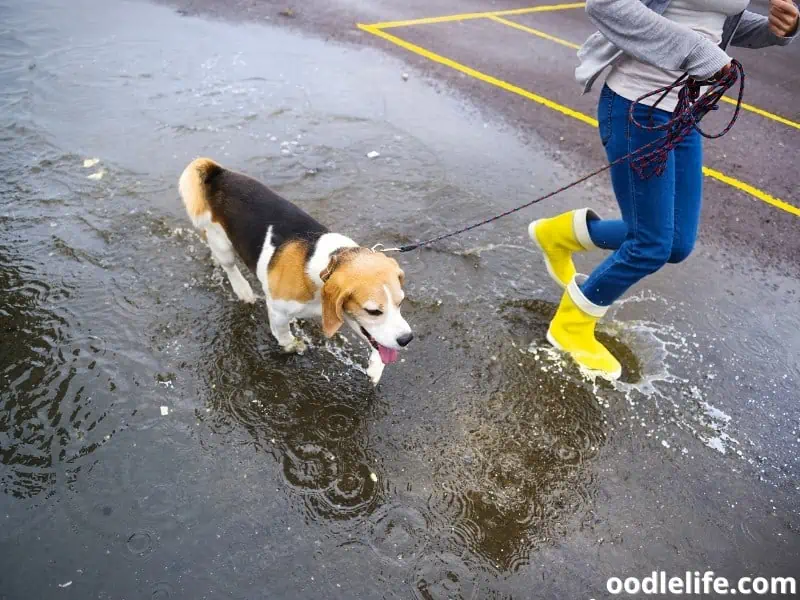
(305, 270)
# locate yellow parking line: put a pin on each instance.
(763, 113)
(480, 15)
(739, 185)
(753, 191)
(478, 75)
(557, 40)
(535, 32)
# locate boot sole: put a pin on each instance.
(613, 376)
(548, 266)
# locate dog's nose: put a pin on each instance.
(405, 340)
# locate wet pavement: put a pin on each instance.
(154, 443)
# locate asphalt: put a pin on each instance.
(156, 444)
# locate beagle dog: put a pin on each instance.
(305, 270)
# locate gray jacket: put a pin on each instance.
(637, 28)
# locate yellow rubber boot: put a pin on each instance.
(572, 331)
(558, 237)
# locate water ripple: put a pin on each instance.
(399, 534)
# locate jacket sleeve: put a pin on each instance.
(644, 34)
(754, 32)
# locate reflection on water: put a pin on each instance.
(308, 412)
(517, 471)
(32, 339)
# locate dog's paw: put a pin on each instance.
(374, 372)
(296, 346)
(246, 295)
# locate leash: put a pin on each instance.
(650, 159)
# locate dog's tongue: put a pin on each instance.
(388, 356)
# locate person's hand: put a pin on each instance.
(714, 78)
(783, 17)
(722, 72)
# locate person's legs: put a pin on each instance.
(643, 237)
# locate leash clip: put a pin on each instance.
(380, 248)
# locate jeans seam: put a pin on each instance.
(631, 183)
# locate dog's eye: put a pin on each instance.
(375, 313)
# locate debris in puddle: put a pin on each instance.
(288, 13)
(96, 176)
(164, 411)
(373, 154)
(374, 477)
(665, 443)
(405, 76)
(90, 162)
(65, 585)
(716, 444)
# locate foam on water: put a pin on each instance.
(664, 395)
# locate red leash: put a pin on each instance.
(691, 108)
(650, 159)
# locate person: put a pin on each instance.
(647, 44)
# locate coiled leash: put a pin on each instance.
(650, 159)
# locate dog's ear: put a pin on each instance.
(333, 299)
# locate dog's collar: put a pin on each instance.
(337, 254)
(333, 262)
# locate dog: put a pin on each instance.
(305, 270)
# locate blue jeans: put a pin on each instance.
(660, 215)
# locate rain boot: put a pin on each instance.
(572, 331)
(558, 237)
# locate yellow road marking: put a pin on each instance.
(557, 40)
(478, 75)
(764, 113)
(438, 58)
(753, 191)
(535, 32)
(480, 15)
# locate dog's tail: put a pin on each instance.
(193, 188)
